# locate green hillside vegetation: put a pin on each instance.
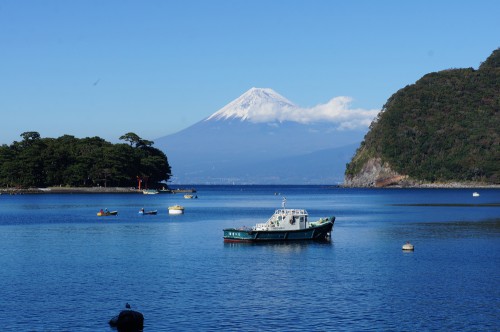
(443, 128)
(69, 161)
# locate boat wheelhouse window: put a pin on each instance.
(301, 219)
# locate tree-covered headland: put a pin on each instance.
(68, 161)
(443, 128)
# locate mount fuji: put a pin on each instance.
(260, 138)
(256, 105)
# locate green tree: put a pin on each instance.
(135, 140)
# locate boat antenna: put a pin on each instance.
(283, 203)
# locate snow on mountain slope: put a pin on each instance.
(256, 105)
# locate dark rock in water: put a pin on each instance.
(128, 320)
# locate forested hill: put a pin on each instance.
(443, 128)
(91, 161)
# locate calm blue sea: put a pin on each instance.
(62, 268)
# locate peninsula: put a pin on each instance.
(442, 131)
(89, 164)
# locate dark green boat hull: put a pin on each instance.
(316, 233)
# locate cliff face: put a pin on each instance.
(442, 129)
(375, 173)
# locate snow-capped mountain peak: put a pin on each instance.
(256, 105)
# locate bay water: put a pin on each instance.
(62, 268)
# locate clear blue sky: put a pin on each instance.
(104, 68)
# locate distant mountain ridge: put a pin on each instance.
(255, 139)
(444, 128)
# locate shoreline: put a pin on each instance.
(398, 182)
(84, 190)
(132, 190)
(456, 186)
(70, 190)
(431, 186)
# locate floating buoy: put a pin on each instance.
(408, 246)
(176, 209)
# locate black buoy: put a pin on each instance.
(128, 320)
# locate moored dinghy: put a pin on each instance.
(284, 225)
(106, 213)
(144, 213)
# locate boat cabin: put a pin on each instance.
(285, 219)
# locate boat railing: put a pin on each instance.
(261, 226)
(291, 211)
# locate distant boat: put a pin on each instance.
(142, 212)
(284, 225)
(475, 194)
(150, 192)
(107, 213)
(189, 196)
(176, 209)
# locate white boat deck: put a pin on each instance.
(285, 219)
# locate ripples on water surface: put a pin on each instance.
(64, 269)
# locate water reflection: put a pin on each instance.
(288, 247)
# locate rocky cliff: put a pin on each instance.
(375, 173)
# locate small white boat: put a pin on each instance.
(408, 246)
(175, 209)
(475, 194)
(150, 192)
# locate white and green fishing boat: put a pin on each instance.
(284, 225)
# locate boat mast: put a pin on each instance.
(283, 204)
